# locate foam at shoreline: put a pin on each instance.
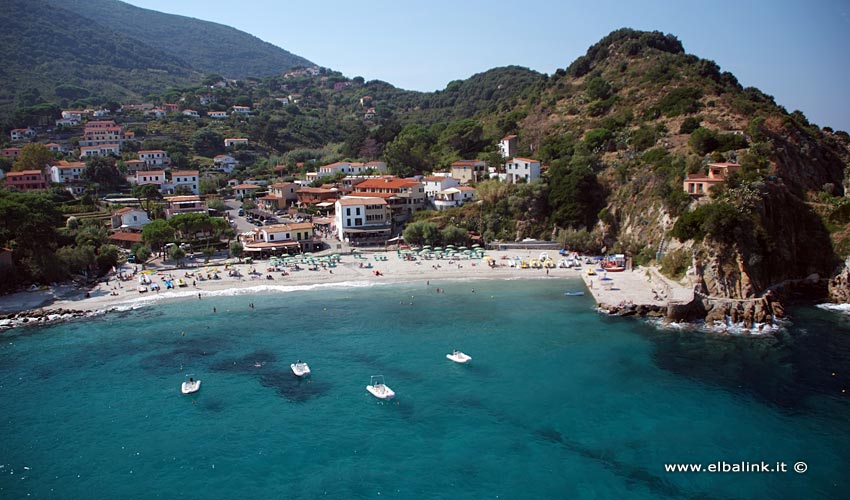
(839, 308)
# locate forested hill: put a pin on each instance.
(51, 53)
(208, 46)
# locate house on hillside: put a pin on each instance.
(225, 163)
(281, 195)
(454, 197)
(27, 180)
(22, 134)
(235, 141)
(191, 113)
(242, 110)
(507, 146)
(186, 179)
(524, 169)
(700, 185)
(433, 184)
(217, 114)
(70, 175)
(154, 158)
(10, 152)
(469, 170)
(184, 205)
(242, 191)
(143, 177)
(102, 150)
(129, 219)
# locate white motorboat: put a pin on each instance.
(190, 386)
(459, 357)
(300, 368)
(379, 389)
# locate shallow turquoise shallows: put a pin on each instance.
(557, 402)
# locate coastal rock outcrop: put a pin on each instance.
(40, 317)
(839, 285)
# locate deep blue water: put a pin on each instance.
(558, 402)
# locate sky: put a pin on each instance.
(796, 51)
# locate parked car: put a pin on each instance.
(241, 212)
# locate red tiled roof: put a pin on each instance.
(131, 237)
(246, 186)
(387, 183)
(371, 200)
(362, 194)
(184, 172)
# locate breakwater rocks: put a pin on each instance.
(629, 309)
(41, 317)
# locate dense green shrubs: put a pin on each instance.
(717, 219)
(704, 141)
(680, 101)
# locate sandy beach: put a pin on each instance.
(641, 286)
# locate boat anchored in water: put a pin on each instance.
(300, 368)
(459, 357)
(379, 389)
(190, 386)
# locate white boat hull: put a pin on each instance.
(300, 369)
(380, 391)
(190, 387)
(459, 357)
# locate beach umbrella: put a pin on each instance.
(438, 249)
(487, 257)
(476, 246)
(461, 248)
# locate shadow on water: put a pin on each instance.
(786, 368)
(632, 474)
(293, 388)
(261, 364)
(185, 356)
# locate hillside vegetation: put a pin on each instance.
(208, 47)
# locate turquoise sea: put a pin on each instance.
(558, 401)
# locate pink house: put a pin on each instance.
(699, 185)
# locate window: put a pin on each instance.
(347, 211)
(358, 211)
(271, 237)
(358, 221)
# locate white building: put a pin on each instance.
(362, 220)
(435, 183)
(507, 146)
(242, 191)
(20, 134)
(241, 110)
(225, 163)
(154, 158)
(183, 178)
(235, 141)
(67, 172)
(102, 150)
(129, 218)
(217, 114)
(191, 113)
(149, 177)
(352, 168)
(453, 197)
(522, 168)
